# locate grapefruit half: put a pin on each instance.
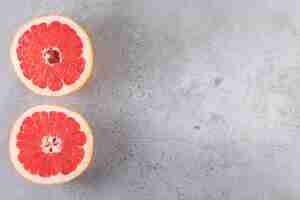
(52, 55)
(50, 144)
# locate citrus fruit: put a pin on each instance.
(52, 55)
(50, 144)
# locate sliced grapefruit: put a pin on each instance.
(52, 55)
(50, 144)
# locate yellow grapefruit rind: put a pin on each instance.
(87, 54)
(60, 178)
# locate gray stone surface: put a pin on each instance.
(190, 99)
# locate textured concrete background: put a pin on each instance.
(190, 99)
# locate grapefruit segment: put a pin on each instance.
(50, 144)
(52, 55)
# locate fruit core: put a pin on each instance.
(52, 56)
(51, 144)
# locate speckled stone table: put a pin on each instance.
(190, 99)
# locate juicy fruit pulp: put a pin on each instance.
(51, 55)
(50, 143)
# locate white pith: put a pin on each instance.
(87, 55)
(48, 145)
(60, 178)
(46, 56)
